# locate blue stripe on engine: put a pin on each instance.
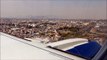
(87, 50)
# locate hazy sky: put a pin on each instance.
(82, 9)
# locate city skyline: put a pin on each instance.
(73, 9)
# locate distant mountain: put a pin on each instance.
(47, 17)
(34, 17)
(43, 17)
